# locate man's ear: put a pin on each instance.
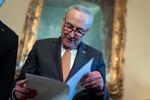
(63, 21)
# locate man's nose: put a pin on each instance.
(72, 34)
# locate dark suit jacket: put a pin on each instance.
(8, 52)
(45, 60)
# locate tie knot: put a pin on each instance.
(67, 50)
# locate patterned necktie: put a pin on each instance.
(66, 63)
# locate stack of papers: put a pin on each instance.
(50, 89)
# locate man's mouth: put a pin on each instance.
(71, 39)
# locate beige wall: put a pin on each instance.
(137, 69)
(13, 13)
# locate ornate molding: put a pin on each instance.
(116, 79)
(29, 31)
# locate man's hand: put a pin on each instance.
(93, 80)
(22, 92)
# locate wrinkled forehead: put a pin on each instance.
(77, 17)
(1, 2)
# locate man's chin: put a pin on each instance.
(70, 46)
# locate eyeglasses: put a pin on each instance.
(77, 31)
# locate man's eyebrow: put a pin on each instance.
(80, 28)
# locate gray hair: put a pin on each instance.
(83, 9)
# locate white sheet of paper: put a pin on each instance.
(74, 81)
(50, 89)
(47, 88)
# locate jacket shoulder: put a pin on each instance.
(8, 30)
(48, 40)
(91, 49)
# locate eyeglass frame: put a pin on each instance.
(77, 31)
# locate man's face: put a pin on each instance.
(74, 27)
(1, 2)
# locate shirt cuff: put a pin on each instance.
(100, 93)
(12, 95)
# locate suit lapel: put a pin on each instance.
(81, 59)
(56, 51)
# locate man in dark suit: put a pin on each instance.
(45, 58)
(8, 53)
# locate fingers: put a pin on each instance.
(32, 93)
(21, 86)
(91, 84)
(92, 80)
(19, 90)
(91, 76)
(24, 95)
(22, 92)
(21, 82)
(20, 96)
